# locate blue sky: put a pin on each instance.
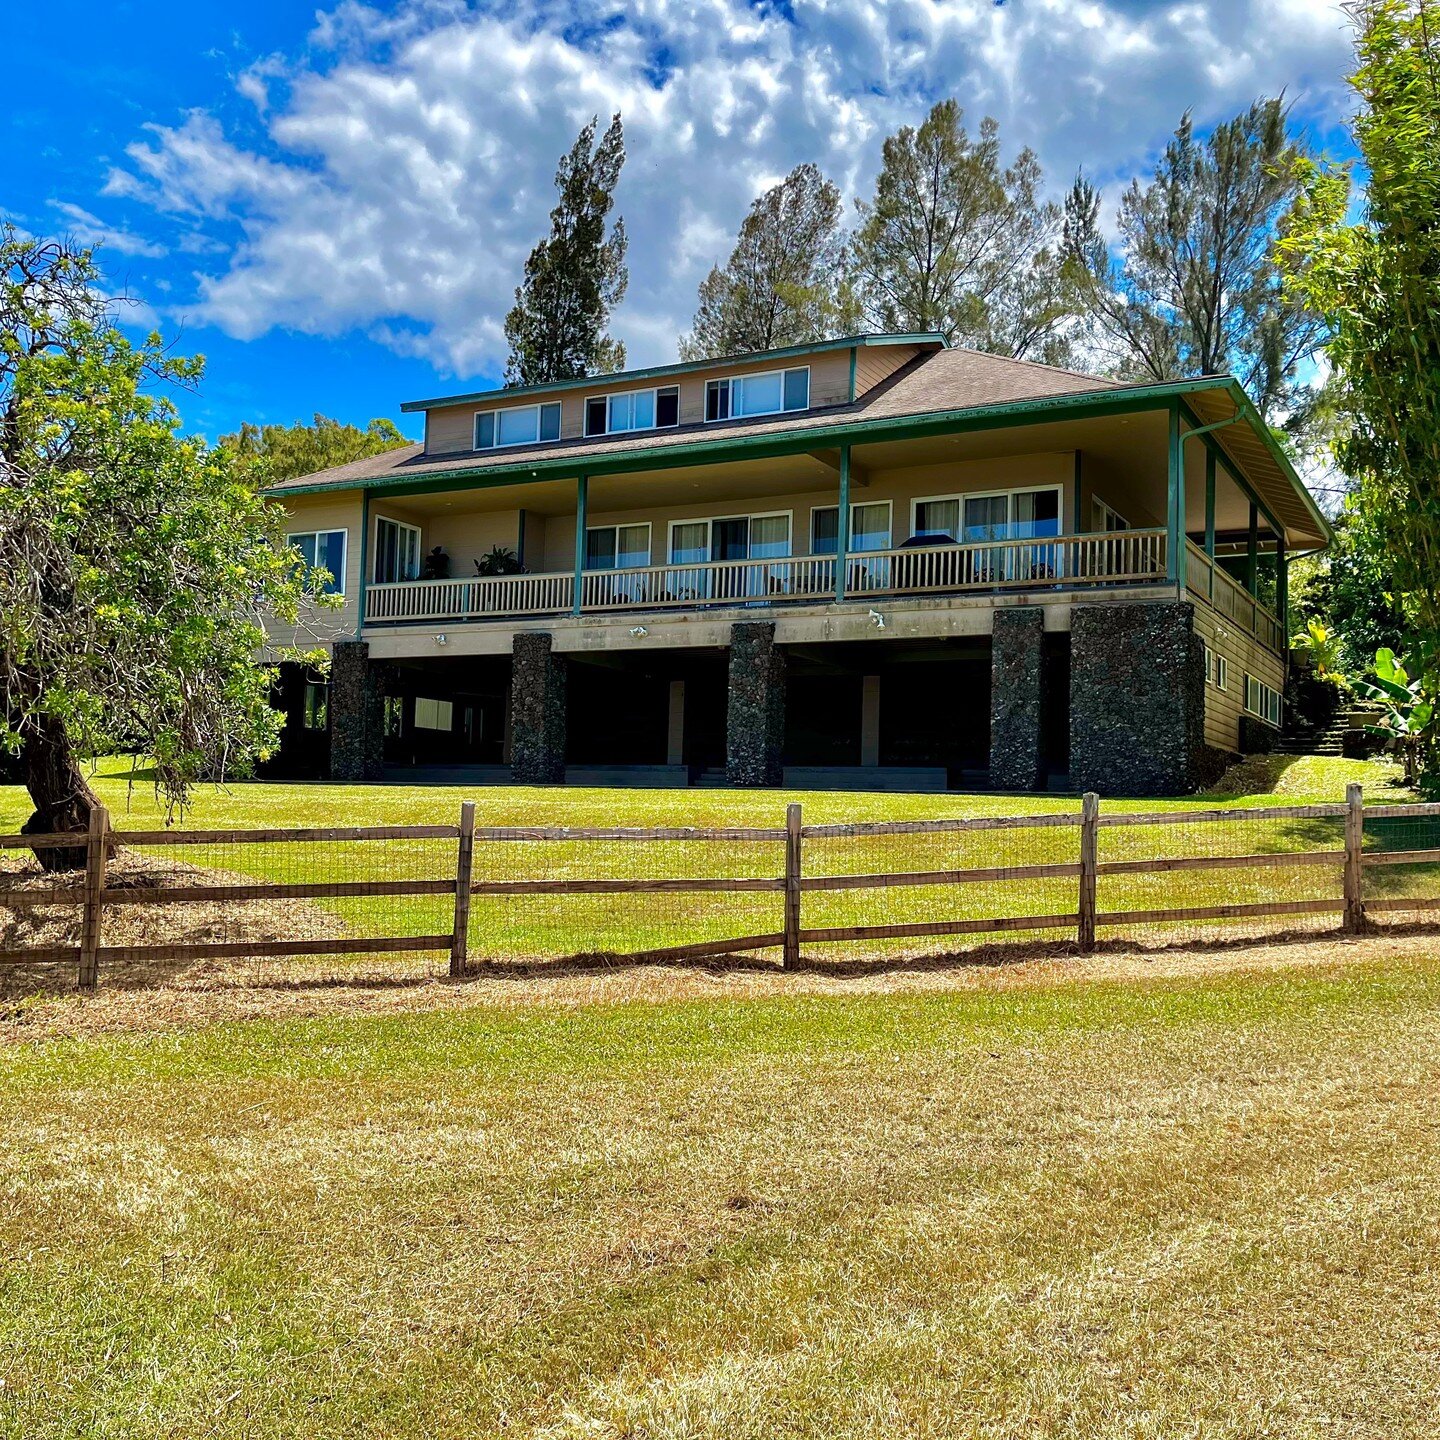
(333, 204)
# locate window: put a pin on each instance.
(869, 528)
(730, 537)
(1104, 518)
(617, 547)
(323, 550)
(633, 410)
(434, 714)
(316, 714)
(772, 392)
(397, 551)
(1009, 515)
(1262, 700)
(1217, 670)
(521, 425)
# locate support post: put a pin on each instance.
(1175, 509)
(1089, 859)
(1354, 866)
(842, 524)
(1210, 504)
(793, 835)
(582, 499)
(1252, 553)
(1282, 593)
(97, 847)
(464, 866)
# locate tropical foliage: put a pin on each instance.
(289, 450)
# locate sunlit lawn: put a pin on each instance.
(537, 926)
(1198, 1208)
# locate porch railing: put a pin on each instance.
(1113, 558)
(1203, 577)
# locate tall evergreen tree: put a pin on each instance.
(956, 243)
(576, 276)
(1192, 285)
(783, 283)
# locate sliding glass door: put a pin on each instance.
(728, 538)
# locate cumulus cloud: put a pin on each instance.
(405, 162)
(89, 230)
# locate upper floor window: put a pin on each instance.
(397, 551)
(633, 410)
(519, 425)
(617, 547)
(1262, 700)
(323, 550)
(869, 527)
(770, 393)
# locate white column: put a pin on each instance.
(870, 722)
(675, 729)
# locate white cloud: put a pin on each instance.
(89, 230)
(406, 164)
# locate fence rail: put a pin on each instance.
(794, 878)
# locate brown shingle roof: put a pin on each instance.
(936, 380)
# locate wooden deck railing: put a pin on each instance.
(1226, 596)
(1127, 557)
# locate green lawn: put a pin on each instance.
(544, 927)
(1176, 1208)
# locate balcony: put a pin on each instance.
(1061, 562)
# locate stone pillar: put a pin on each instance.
(1016, 699)
(537, 711)
(755, 717)
(1137, 699)
(357, 712)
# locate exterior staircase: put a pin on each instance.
(1328, 739)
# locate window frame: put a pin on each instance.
(538, 406)
(1096, 503)
(1264, 692)
(729, 382)
(962, 496)
(309, 706)
(609, 396)
(375, 548)
(618, 526)
(854, 506)
(417, 724)
(710, 521)
(344, 533)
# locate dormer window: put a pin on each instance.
(772, 392)
(633, 410)
(518, 425)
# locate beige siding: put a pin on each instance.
(450, 429)
(1244, 656)
(328, 512)
(901, 487)
(876, 363)
(467, 537)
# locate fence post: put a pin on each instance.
(1089, 858)
(464, 864)
(96, 851)
(792, 886)
(1354, 866)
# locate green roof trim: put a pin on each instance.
(686, 367)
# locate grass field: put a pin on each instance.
(1017, 1203)
(541, 928)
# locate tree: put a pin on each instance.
(1376, 282)
(952, 242)
(576, 276)
(136, 567)
(783, 283)
(1196, 287)
(290, 450)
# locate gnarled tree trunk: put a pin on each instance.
(63, 801)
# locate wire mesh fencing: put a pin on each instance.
(132, 903)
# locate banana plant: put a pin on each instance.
(1407, 711)
(1320, 644)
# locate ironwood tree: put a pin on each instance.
(784, 282)
(137, 567)
(956, 242)
(1376, 283)
(575, 276)
(1191, 282)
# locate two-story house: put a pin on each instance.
(876, 561)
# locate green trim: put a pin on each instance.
(1282, 596)
(582, 505)
(854, 357)
(1209, 502)
(1232, 470)
(364, 559)
(1175, 503)
(686, 367)
(842, 524)
(1252, 554)
(1010, 414)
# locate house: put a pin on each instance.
(874, 561)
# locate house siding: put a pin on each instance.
(328, 512)
(1245, 656)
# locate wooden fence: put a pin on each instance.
(92, 892)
